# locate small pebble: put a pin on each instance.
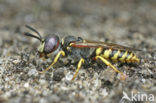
(16, 61)
(42, 82)
(104, 92)
(69, 76)
(143, 80)
(33, 72)
(43, 100)
(26, 85)
(58, 75)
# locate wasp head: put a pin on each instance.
(48, 45)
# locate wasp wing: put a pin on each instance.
(95, 44)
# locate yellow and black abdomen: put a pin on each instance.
(117, 55)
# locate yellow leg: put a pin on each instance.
(78, 68)
(108, 63)
(55, 60)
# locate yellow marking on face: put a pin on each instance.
(41, 47)
(116, 55)
(124, 56)
(99, 50)
(62, 41)
(107, 53)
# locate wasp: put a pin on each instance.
(83, 51)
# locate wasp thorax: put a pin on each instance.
(49, 45)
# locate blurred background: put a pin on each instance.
(127, 22)
(87, 18)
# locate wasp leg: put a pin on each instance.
(55, 60)
(78, 67)
(108, 63)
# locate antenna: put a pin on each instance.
(33, 31)
(28, 34)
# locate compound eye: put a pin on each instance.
(51, 44)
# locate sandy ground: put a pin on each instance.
(130, 22)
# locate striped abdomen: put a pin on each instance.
(117, 55)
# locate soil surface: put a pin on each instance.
(126, 22)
